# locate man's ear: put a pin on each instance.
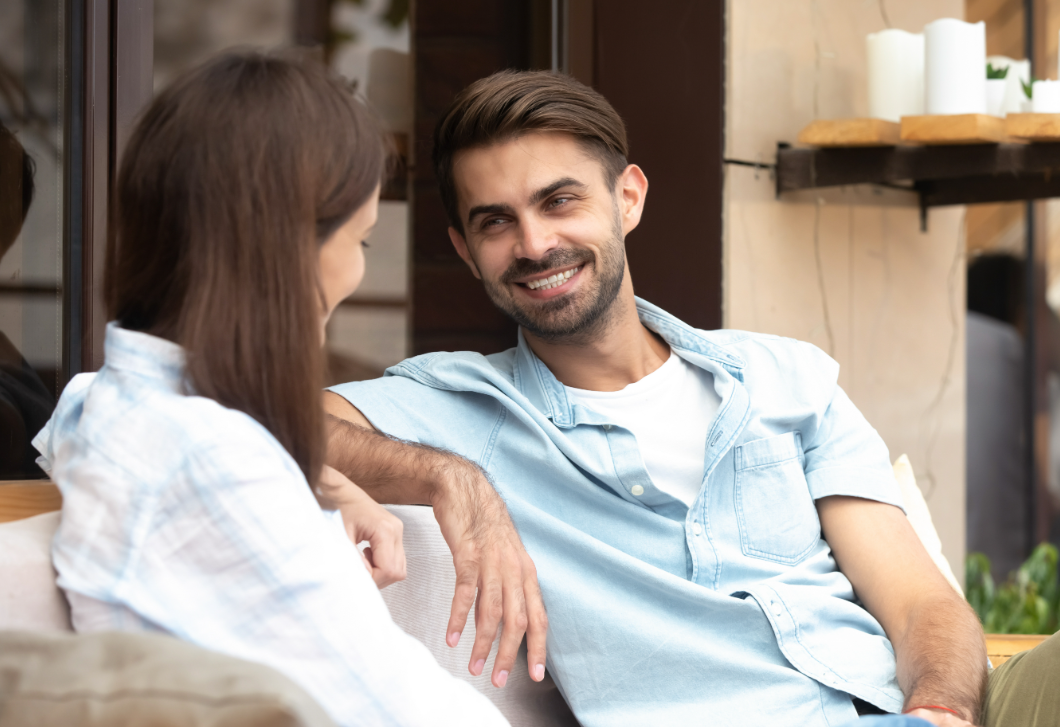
(461, 249)
(631, 189)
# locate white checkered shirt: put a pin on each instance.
(185, 517)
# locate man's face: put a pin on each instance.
(544, 232)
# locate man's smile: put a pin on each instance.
(551, 283)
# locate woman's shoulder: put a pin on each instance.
(149, 434)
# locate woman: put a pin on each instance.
(242, 201)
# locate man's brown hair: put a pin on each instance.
(508, 104)
(232, 180)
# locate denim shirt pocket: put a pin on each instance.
(775, 511)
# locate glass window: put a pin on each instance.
(367, 41)
(31, 226)
(369, 44)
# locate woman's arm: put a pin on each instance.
(366, 520)
(233, 552)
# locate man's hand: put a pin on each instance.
(490, 560)
(366, 520)
(939, 718)
(493, 570)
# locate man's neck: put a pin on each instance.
(624, 351)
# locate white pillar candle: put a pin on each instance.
(896, 74)
(955, 67)
(1046, 97)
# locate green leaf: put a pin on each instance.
(1028, 88)
(979, 584)
(993, 73)
(396, 13)
(1027, 603)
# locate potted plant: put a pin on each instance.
(996, 84)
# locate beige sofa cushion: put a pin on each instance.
(420, 605)
(113, 679)
(29, 598)
(916, 510)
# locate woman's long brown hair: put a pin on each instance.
(233, 178)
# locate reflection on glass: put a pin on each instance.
(367, 41)
(370, 331)
(31, 132)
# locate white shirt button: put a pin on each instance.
(637, 490)
(696, 529)
(607, 427)
(776, 608)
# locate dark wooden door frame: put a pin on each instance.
(662, 65)
(109, 67)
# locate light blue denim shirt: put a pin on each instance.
(730, 611)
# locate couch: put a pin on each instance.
(30, 601)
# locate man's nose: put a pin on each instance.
(537, 239)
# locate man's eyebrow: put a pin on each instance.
(488, 209)
(559, 184)
(543, 193)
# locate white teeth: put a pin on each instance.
(552, 281)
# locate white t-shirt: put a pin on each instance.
(669, 412)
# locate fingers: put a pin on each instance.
(463, 599)
(537, 627)
(489, 610)
(388, 552)
(515, 622)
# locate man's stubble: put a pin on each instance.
(576, 317)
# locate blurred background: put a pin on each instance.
(946, 332)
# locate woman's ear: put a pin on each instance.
(631, 189)
(461, 249)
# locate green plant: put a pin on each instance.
(1028, 88)
(1027, 603)
(993, 73)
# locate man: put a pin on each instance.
(701, 506)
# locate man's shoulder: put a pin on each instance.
(751, 343)
(738, 348)
(766, 354)
(453, 370)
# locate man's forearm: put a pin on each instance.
(395, 472)
(942, 657)
(492, 567)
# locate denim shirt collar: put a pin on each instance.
(540, 386)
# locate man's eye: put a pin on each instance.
(559, 201)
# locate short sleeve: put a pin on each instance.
(846, 456)
(460, 422)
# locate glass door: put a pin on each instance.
(32, 168)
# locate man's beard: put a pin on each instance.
(575, 316)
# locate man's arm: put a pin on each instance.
(938, 642)
(488, 555)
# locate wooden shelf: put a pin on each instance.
(850, 133)
(954, 129)
(25, 498)
(938, 175)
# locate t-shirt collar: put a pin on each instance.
(549, 396)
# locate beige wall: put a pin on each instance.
(847, 269)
